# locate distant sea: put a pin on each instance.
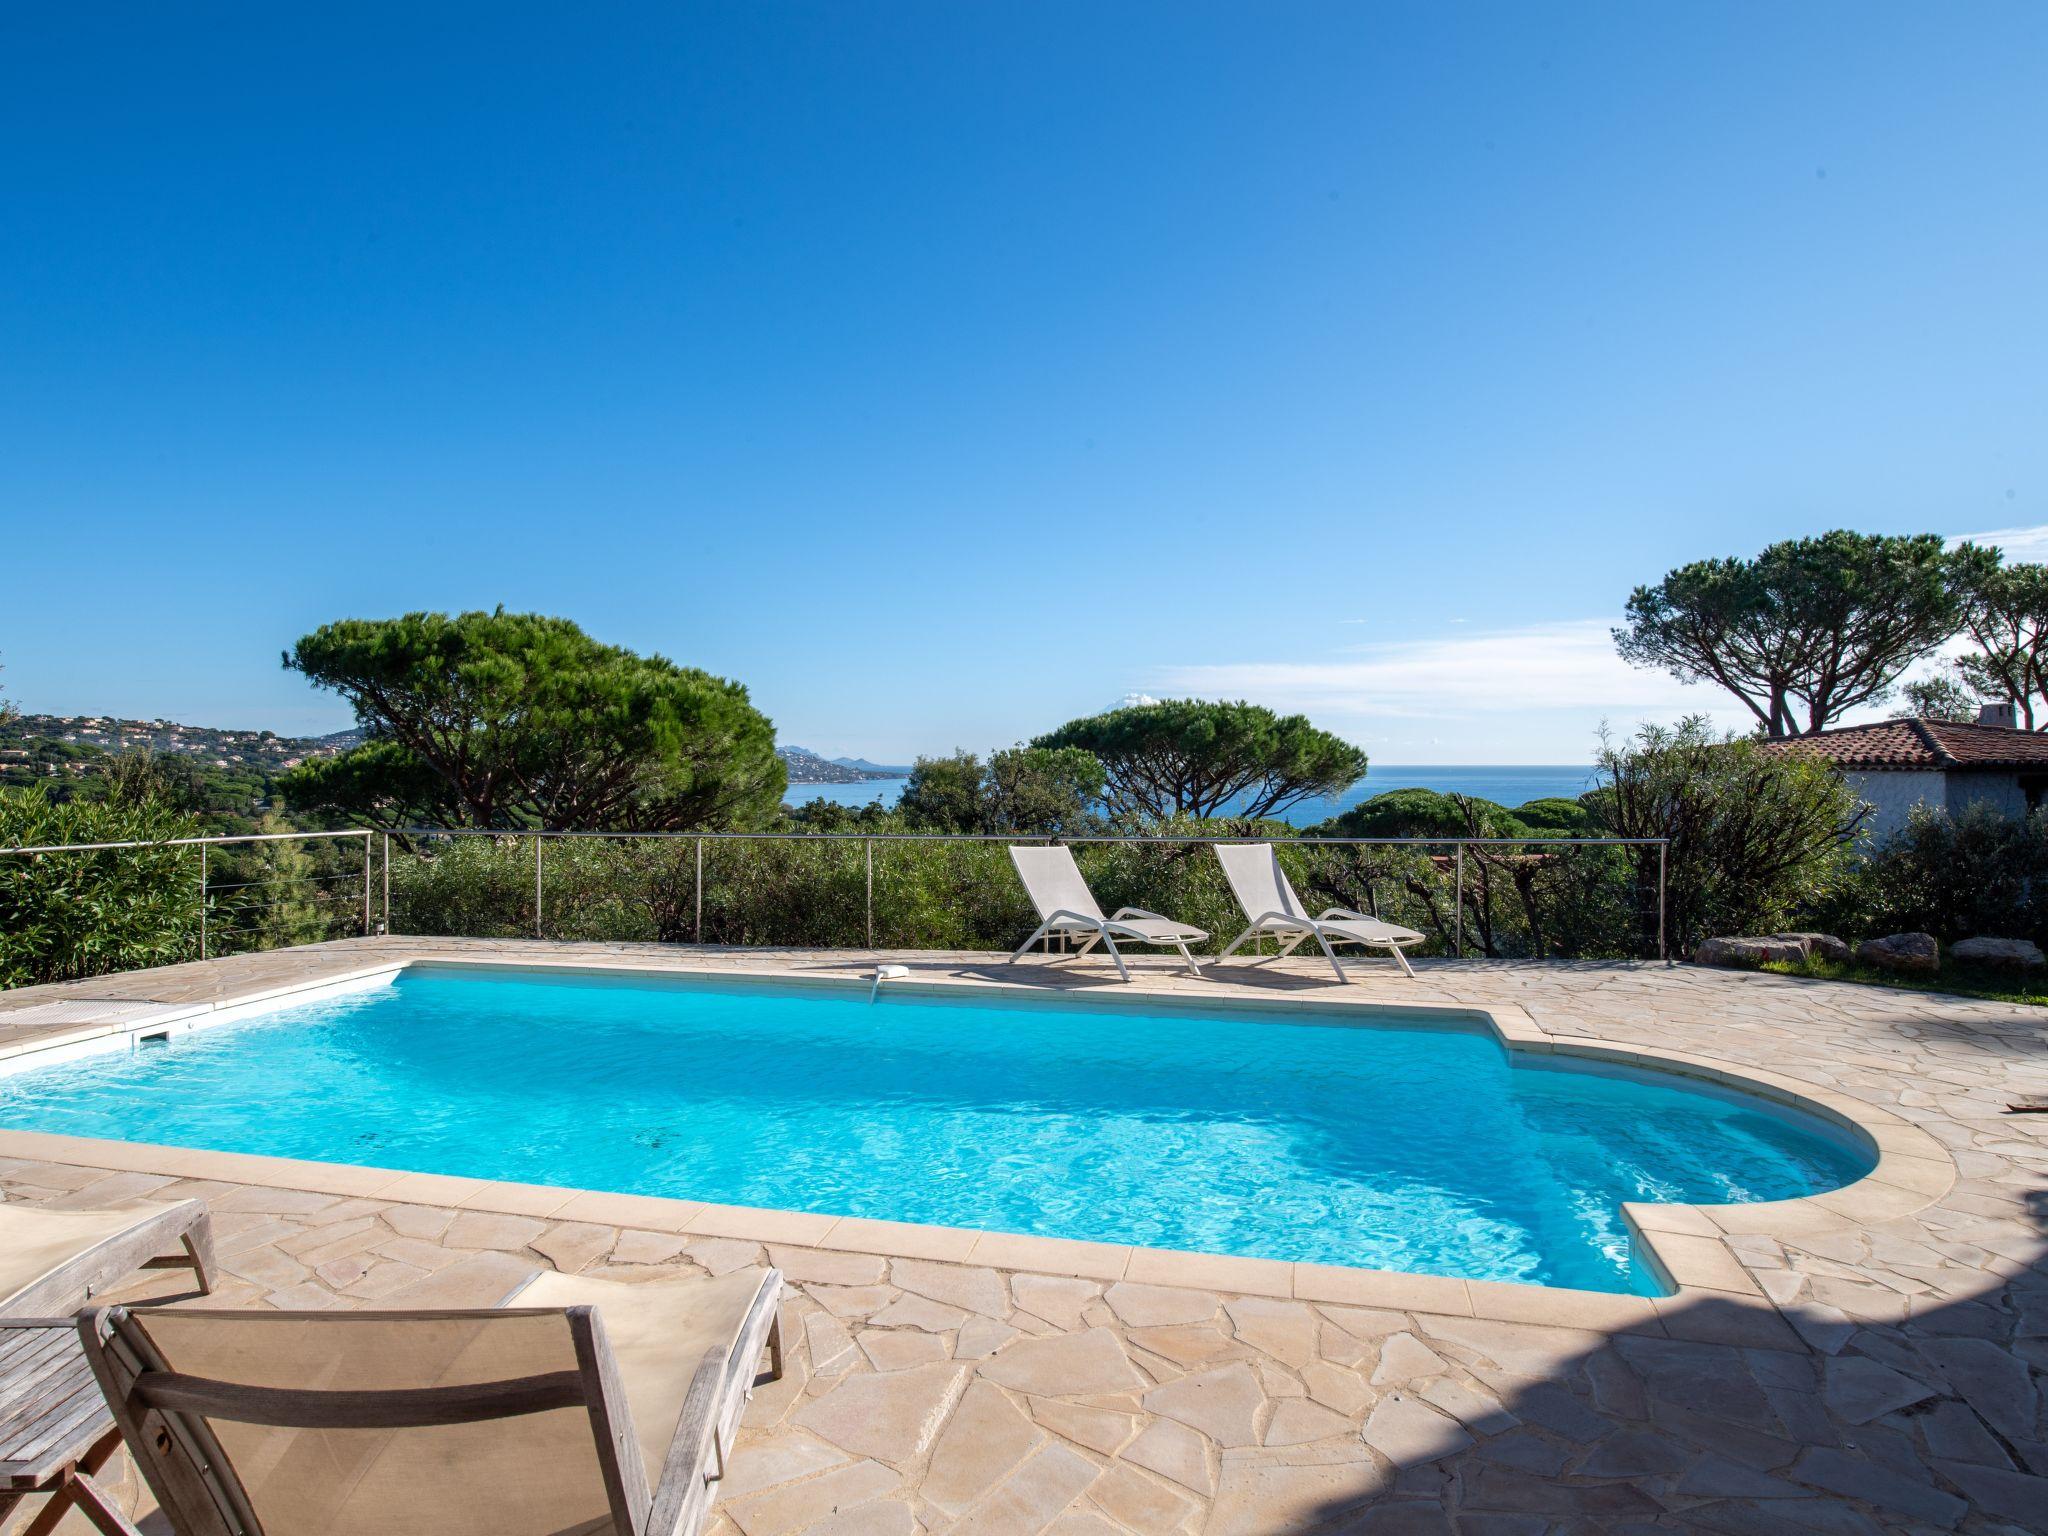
(1510, 786)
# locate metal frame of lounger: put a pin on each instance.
(166, 1417)
(145, 1243)
(1074, 922)
(1327, 929)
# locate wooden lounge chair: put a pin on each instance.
(1066, 906)
(52, 1262)
(581, 1407)
(1267, 896)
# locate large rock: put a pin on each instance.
(2006, 954)
(1824, 945)
(1909, 952)
(1749, 954)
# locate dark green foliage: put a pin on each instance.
(1518, 899)
(1939, 698)
(378, 784)
(482, 887)
(822, 815)
(1194, 757)
(1956, 877)
(79, 914)
(1042, 789)
(943, 794)
(516, 720)
(1432, 813)
(1824, 623)
(935, 894)
(264, 895)
(802, 892)
(2005, 612)
(1022, 789)
(1566, 818)
(290, 890)
(1756, 836)
(1423, 813)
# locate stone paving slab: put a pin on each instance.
(1877, 1372)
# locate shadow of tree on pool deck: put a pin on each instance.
(1872, 1412)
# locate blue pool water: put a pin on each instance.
(1317, 1136)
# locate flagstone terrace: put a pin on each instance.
(1877, 1369)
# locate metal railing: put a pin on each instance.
(205, 845)
(376, 843)
(869, 839)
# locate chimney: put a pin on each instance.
(2005, 716)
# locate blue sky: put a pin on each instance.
(946, 371)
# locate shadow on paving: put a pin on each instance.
(1930, 1421)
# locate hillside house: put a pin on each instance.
(1898, 764)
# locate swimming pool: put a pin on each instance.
(1336, 1136)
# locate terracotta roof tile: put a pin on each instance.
(1916, 743)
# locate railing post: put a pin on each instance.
(868, 847)
(1461, 901)
(387, 884)
(700, 891)
(366, 885)
(202, 901)
(539, 843)
(1663, 849)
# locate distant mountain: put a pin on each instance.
(806, 767)
(872, 770)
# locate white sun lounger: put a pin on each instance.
(1262, 889)
(1053, 881)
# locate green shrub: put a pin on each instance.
(797, 892)
(472, 887)
(1423, 813)
(66, 915)
(1569, 818)
(1756, 837)
(1952, 876)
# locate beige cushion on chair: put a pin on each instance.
(34, 1241)
(659, 1332)
(536, 1474)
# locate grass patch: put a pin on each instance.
(1996, 986)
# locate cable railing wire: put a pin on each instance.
(371, 921)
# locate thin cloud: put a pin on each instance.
(2016, 543)
(1567, 665)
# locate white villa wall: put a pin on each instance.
(2000, 791)
(1894, 793)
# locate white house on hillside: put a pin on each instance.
(1898, 764)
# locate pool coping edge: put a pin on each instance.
(1687, 1244)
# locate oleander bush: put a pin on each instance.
(68, 915)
